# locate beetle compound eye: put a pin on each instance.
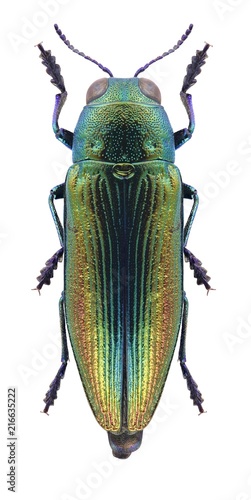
(150, 89)
(97, 89)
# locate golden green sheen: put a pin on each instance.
(123, 284)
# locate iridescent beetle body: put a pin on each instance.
(123, 240)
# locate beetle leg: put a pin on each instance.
(200, 273)
(57, 193)
(195, 394)
(193, 70)
(51, 264)
(53, 69)
(185, 134)
(47, 272)
(190, 193)
(63, 135)
(51, 394)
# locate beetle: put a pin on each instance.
(123, 238)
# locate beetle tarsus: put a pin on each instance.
(47, 272)
(52, 68)
(195, 394)
(51, 394)
(200, 273)
(194, 69)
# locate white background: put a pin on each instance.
(66, 456)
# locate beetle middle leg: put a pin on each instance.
(46, 274)
(200, 273)
(195, 394)
(51, 394)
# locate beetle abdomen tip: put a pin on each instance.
(125, 443)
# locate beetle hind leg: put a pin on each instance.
(195, 394)
(51, 394)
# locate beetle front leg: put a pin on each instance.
(195, 394)
(63, 135)
(51, 394)
(51, 264)
(200, 273)
(193, 70)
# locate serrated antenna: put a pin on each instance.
(68, 44)
(175, 47)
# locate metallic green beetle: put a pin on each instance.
(123, 241)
